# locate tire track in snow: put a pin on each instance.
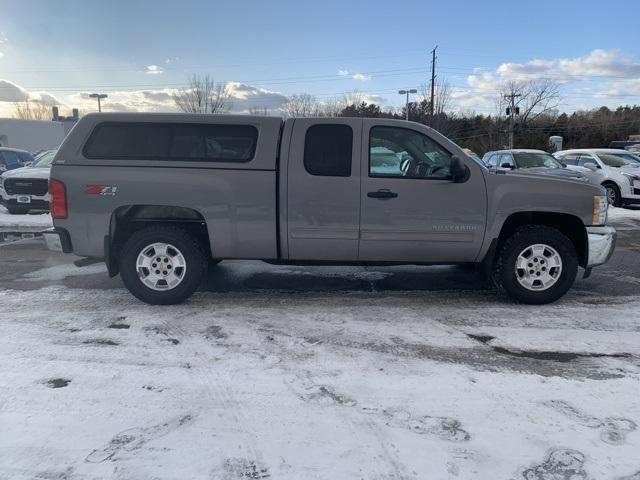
(250, 464)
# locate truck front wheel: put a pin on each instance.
(537, 265)
(162, 264)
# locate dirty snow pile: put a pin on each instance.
(94, 384)
(34, 220)
(616, 214)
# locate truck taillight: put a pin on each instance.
(58, 199)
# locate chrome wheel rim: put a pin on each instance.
(611, 195)
(538, 267)
(161, 266)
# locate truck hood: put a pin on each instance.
(27, 172)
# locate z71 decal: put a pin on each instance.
(104, 190)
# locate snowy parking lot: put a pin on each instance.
(318, 373)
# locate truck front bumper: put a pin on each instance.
(601, 242)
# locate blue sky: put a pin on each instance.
(138, 51)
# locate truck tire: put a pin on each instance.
(162, 264)
(17, 210)
(536, 265)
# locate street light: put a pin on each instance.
(99, 96)
(407, 92)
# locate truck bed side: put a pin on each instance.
(237, 201)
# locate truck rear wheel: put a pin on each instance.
(537, 265)
(162, 265)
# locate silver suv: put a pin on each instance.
(619, 171)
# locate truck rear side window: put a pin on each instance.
(328, 150)
(168, 141)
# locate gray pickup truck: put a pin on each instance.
(161, 196)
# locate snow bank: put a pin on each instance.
(621, 214)
(35, 220)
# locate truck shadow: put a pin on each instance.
(238, 276)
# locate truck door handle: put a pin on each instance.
(382, 193)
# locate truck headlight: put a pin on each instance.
(600, 207)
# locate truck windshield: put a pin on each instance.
(535, 160)
(619, 159)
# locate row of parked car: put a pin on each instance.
(618, 171)
(24, 184)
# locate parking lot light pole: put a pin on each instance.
(407, 92)
(99, 96)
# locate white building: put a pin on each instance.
(36, 135)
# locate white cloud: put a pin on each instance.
(154, 70)
(10, 92)
(1, 54)
(244, 97)
(597, 63)
(604, 73)
(361, 77)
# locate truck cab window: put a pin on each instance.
(401, 152)
(328, 150)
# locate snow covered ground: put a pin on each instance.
(622, 214)
(282, 385)
(34, 220)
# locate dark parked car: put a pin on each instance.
(11, 158)
(25, 189)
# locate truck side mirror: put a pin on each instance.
(459, 171)
(507, 165)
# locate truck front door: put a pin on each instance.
(411, 209)
(323, 189)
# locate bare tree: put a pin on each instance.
(355, 97)
(332, 107)
(441, 97)
(534, 98)
(203, 95)
(302, 105)
(31, 110)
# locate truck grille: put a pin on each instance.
(26, 186)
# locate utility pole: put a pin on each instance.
(433, 82)
(512, 111)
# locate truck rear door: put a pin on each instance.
(411, 209)
(323, 189)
